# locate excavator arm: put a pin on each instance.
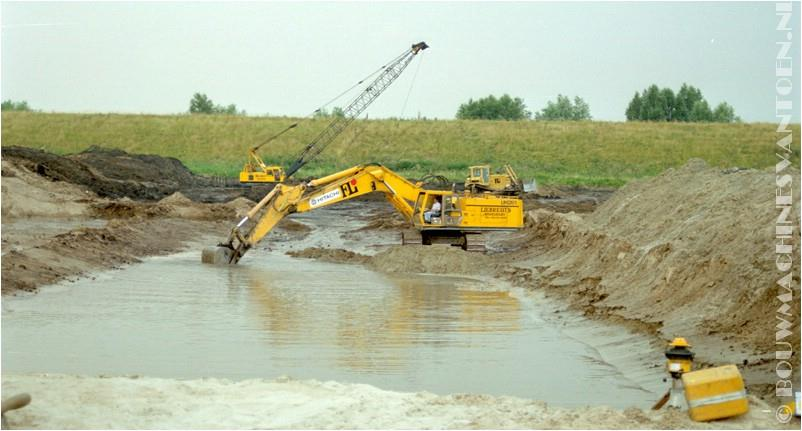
(284, 200)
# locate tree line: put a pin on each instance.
(654, 104)
(687, 105)
(202, 104)
(10, 105)
(509, 108)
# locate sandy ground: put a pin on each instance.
(680, 254)
(148, 403)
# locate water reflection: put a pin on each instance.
(373, 329)
(274, 315)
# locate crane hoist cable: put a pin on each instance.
(411, 85)
(384, 67)
(356, 106)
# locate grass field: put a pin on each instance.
(577, 153)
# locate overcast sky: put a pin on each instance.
(288, 58)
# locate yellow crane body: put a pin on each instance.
(463, 216)
(256, 171)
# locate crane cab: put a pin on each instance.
(269, 174)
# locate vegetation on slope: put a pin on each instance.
(581, 153)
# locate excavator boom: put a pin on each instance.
(461, 214)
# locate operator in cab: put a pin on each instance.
(434, 211)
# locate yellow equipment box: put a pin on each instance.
(715, 393)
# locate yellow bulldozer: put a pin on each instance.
(437, 216)
(482, 179)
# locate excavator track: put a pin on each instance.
(475, 243)
(411, 237)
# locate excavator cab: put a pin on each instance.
(450, 214)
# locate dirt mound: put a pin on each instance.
(690, 251)
(88, 249)
(176, 199)
(240, 206)
(26, 194)
(145, 168)
(433, 259)
(122, 210)
(335, 255)
(65, 169)
(116, 174)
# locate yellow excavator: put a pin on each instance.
(460, 220)
(437, 216)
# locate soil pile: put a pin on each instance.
(689, 250)
(336, 255)
(145, 168)
(41, 244)
(116, 174)
(432, 259)
(83, 250)
(26, 194)
(66, 169)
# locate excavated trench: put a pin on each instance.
(276, 315)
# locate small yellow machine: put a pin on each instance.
(481, 179)
(256, 171)
(437, 216)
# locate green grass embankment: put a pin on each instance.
(575, 153)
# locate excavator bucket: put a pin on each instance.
(216, 255)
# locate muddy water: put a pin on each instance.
(274, 315)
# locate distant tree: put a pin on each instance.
(323, 113)
(724, 113)
(492, 108)
(687, 96)
(10, 105)
(563, 109)
(581, 109)
(667, 103)
(201, 104)
(652, 105)
(700, 112)
(633, 110)
(337, 112)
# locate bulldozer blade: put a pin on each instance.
(530, 187)
(216, 255)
